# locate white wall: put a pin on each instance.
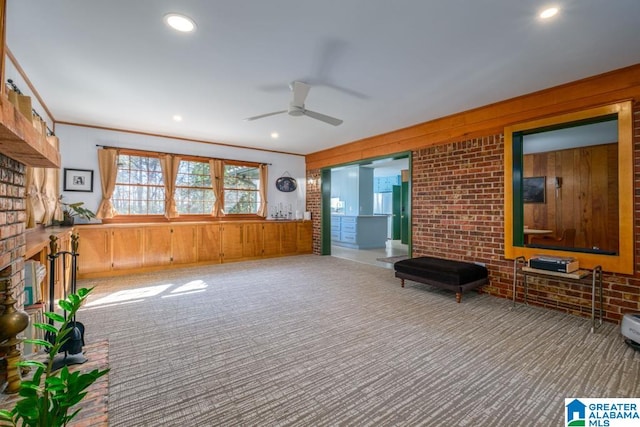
(78, 151)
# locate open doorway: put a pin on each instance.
(370, 210)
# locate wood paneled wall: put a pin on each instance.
(491, 119)
(587, 199)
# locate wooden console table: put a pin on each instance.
(583, 277)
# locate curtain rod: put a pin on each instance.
(178, 154)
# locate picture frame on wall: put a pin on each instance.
(78, 180)
(533, 189)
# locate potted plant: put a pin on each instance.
(46, 401)
(72, 210)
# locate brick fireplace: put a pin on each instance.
(12, 231)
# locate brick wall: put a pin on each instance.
(12, 218)
(12, 232)
(314, 205)
(458, 213)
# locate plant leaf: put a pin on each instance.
(31, 363)
(75, 299)
(39, 342)
(65, 305)
(83, 292)
(54, 316)
(46, 327)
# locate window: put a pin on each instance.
(139, 186)
(241, 189)
(194, 193)
(605, 198)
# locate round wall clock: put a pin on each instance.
(286, 184)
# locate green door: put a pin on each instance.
(396, 209)
(404, 214)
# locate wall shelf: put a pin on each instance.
(21, 141)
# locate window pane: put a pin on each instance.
(241, 189)
(194, 194)
(139, 186)
(247, 177)
(240, 202)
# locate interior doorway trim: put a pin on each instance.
(325, 173)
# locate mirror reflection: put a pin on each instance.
(570, 186)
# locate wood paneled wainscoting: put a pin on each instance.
(107, 250)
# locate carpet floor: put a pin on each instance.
(323, 341)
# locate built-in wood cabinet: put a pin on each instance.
(305, 237)
(271, 239)
(38, 248)
(184, 240)
(232, 238)
(288, 238)
(156, 246)
(111, 249)
(126, 248)
(208, 243)
(252, 240)
(94, 245)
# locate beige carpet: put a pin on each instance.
(322, 341)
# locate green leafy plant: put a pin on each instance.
(45, 402)
(76, 209)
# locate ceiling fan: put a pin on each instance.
(296, 106)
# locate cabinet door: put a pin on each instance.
(127, 248)
(288, 238)
(252, 240)
(232, 238)
(156, 247)
(94, 250)
(305, 237)
(208, 247)
(183, 244)
(271, 239)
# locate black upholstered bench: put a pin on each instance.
(457, 276)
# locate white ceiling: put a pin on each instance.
(379, 65)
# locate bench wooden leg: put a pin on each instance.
(458, 297)
(402, 282)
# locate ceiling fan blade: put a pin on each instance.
(300, 92)
(264, 115)
(323, 117)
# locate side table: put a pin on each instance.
(583, 277)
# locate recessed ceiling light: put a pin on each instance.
(177, 118)
(549, 12)
(274, 135)
(180, 23)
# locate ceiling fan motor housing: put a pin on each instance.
(296, 110)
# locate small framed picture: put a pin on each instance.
(533, 189)
(78, 180)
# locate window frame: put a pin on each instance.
(140, 154)
(126, 218)
(257, 190)
(194, 160)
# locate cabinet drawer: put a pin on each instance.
(335, 235)
(335, 225)
(349, 227)
(348, 219)
(348, 237)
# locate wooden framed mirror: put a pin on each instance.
(586, 161)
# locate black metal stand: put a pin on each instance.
(72, 348)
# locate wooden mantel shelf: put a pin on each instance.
(21, 141)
